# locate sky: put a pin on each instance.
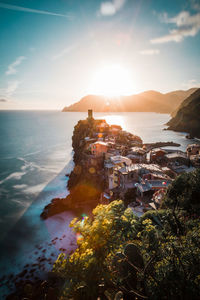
(53, 52)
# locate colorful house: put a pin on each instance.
(99, 148)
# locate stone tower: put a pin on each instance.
(90, 116)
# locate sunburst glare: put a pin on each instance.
(113, 80)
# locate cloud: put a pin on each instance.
(35, 11)
(186, 25)
(110, 8)
(3, 100)
(191, 84)
(65, 51)
(12, 87)
(12, 67)
(9, 90)
(150, 52)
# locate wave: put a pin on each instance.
(33, 166)
(20, 186)
(15, 175)
(35, 188)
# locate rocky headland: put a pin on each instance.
(187, 117)
(87, 180)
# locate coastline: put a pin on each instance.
(56, 227)
(31, 247)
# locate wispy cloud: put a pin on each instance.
(186, 25)
(34, 11)
(110, 8)
(191, 84)
(12, 67)
(3, 100)
(150, 52)
(63, 52)
(11, 88)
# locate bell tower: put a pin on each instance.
(90, 116)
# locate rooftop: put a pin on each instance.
(193, 146)
(120, 159)
(183, 168)
(100, 143)
(176, 155)
(137, 167)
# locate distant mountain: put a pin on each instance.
(187, 117)
(149, 101)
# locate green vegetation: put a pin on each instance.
(184, 192)
(156, 256)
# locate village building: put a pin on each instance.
(178, 157)
(157, 154)
(102, 126)
(128, 164)
(137, 155)
(119, 160)
(146, 188)
(178, 169)
(115, 129)
(157, 198)
(128, 176)
(111, 167)
(195, 160)
(99, 148)
(169, 172)
(193, 149)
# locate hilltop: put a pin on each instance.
(187, 117)
(148, 101)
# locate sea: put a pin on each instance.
(35, 157)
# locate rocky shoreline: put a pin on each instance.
(87, 181)
(35, 281)
(86, 184)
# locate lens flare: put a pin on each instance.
(79, 237)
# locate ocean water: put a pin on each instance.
(35, 147)
(35, 155)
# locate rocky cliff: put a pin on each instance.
(187, 117)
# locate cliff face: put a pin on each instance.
(187, 117)
(86, 182)
(149, 101)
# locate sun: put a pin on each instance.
(113, 80)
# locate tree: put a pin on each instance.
(130, 196)
(184, 192)
(156, 256)
(101, 237)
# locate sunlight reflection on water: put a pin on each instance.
(116, 119)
